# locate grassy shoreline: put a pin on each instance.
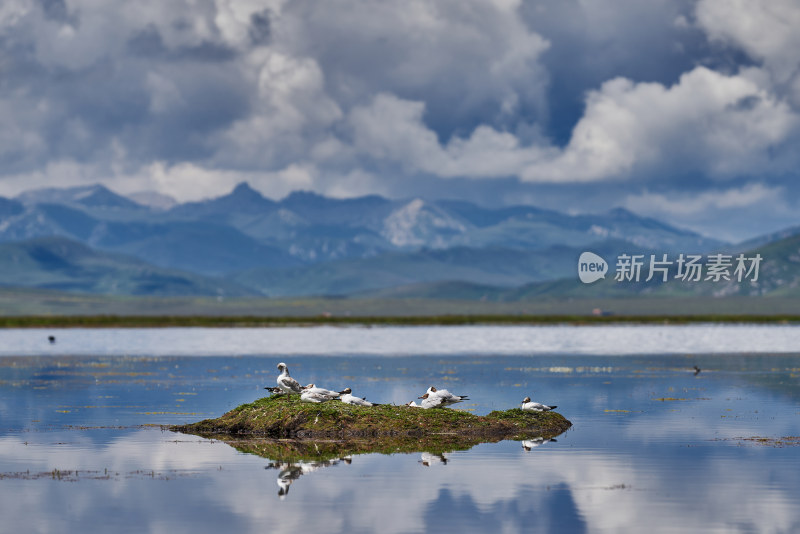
(223, 321)
(288, 430)
(27, 307)
(279, 417)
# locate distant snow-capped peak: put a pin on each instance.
(420, 224)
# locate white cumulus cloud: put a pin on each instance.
(767, 30)
(707, 122)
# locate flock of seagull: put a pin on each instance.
(433, 398)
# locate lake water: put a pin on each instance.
(655, 445)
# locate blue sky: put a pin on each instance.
(688, 111)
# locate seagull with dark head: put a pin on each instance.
(445, 397)
(309, 395)
(314, 390)
(431, 401)
(528, 406)
(347, 397)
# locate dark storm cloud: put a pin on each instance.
(149, 44)
(633, 39)
(152, 100)
(261, 27)
(56, 10)
(465, 60)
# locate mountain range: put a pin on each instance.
(91, 239)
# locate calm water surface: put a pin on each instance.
(654, 445)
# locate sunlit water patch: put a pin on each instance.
(403, 340)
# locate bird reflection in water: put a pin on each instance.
(529, 444)
(291, 471)
(429, 459)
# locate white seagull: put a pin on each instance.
(312, 388)
(529, 406)
(446, 397)
(286, 383)
(412, 404)
(348, 398)
(431, 401)
(312, 396)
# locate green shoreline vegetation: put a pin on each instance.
(155, 321)
(21, 307)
